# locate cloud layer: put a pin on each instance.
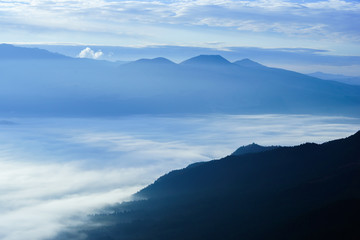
(56, 171)
(264, 23)
(39, 200)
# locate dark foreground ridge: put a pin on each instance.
(309, 191)
(252, 148)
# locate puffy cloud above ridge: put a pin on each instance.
(89, 53)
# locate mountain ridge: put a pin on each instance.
(86, 87)
(252, 148)
(206, 60)
(158, 60)
(265, 195)
(246, 62)
(8, 51)
(337, 77)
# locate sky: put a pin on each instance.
(333, 25)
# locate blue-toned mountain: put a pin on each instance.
(337, 77)
(8, 52)
(205, 84)
(206, 60)
(248, 63)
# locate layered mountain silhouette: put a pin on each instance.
(337, 77)
(248, 63)
(310, 191)
(10, 52)
(206, 60)
(159, 60)
(41, 83)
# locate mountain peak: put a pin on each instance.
(246, 62)
(206, 60)
(252, 148)
(158, 60)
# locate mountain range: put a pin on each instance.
(10, 52)
(310, 191)
(337, 77)
(36, 82)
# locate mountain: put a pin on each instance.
(248, 63)
(206, 84)
(207, 60)
(159, 60)
(252, 148)
(337, 77)
(310, 191)
(328, 76)
(10, 52)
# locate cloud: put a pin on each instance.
(89, 53)
(39, 200)
(339, 5)
(56, 171)
(164, 21)
(6, 122)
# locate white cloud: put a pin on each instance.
(334, 4)
(157, 19)
(56, 171)
(89, 53)
(39, 200)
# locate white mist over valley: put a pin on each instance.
(60, 170)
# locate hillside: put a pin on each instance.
(308, 191)
(252, 148)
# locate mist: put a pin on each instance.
(57, 171)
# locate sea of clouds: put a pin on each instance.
(57, 171)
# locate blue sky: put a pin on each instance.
(330, 24)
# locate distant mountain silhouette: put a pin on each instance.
(206, 60)
(8, 51)
(248, 63)
(252, 148)
(45, 84)
(328, 76)
(337, 77)
(308, 191)
(158, 60)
